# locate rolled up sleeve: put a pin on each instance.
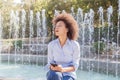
(76, 56)
(49, 57)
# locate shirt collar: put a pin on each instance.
(67, 41)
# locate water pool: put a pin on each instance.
(33, 72)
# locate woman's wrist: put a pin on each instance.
(68, 69)
(62, 70)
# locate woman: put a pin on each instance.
(63, 52)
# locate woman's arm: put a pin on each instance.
(61, 69)
(50, 56)
(76, 55)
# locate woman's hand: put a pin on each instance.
(58, 68)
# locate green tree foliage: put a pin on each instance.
(51, 5)
(0, 4)
(99, 47)
(86, 5)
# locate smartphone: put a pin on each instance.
(53, 64)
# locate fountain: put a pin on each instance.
(38, 32)
(81, 32)
(0, 34)
(23, 23)
(25, 51)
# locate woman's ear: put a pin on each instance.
(67, 29)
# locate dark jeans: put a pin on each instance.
(53, 75)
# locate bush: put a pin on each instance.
(17, 43)
(101, 46)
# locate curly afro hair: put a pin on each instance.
(70, 23)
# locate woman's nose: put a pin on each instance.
(56, 27)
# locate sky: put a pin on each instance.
(15, 1)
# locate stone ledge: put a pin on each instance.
(10, 79)
(101, 66)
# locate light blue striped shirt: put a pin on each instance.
(68, 55)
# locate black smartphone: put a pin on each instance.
(53, 64)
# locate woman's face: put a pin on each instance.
(60, 29)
